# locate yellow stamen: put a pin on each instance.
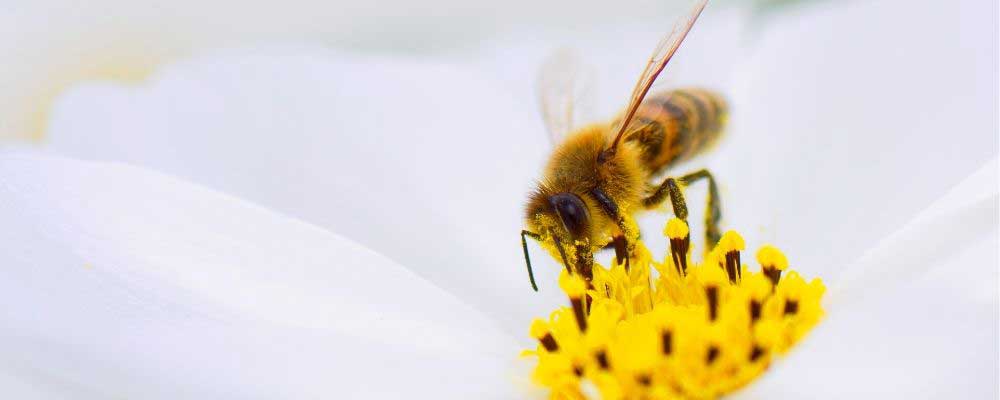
(573, 285)
(730, 246)
(676, 229)
(680, 243)
(772, 262)
(731, 241)
(770, 256)
(695, 332)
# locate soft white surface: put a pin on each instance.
(918, 316)
(122, 282)
(850, 118)
(50, 44)
(424, 162)
(960, 218)
(918, 341)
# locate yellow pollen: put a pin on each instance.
(658, 331)
(573, 285)
(771, 257)
(731, 241)
(539, 328)
(676, 229)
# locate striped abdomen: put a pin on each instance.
(676, 125)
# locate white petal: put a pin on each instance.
(964, 215)
(916, 317)
(373, 150)
(917, 341)
(424, 162)
(127, 283)
(851, 118)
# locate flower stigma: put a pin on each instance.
(689, 331)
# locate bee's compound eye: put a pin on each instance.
(572, 211)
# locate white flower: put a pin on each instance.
(128, 283)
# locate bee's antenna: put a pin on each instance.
(527, 259)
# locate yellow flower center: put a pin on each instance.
(690, 331)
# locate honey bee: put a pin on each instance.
(598, 176)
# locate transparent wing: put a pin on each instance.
(562, 83)
(661, 56)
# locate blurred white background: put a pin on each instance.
(52, 44)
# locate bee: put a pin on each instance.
(599, 175)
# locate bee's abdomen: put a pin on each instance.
(677, 125)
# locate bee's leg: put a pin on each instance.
(585, 261)
(584, 257)
(672, 187)
(562, 252)
(621, 248)
(624, 244)
(713, 212)
(527, 260)
(669, 188)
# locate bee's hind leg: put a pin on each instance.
(713, 211)
(671, 188)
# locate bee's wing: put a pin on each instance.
(562, 82)
(661, 56)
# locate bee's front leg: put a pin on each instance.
(584, 258)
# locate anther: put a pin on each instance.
(621, 252)
(731, 244)
(575, 288)
(549, 342)
(712, 292)
(733, 267)
(756, 353)
(578, 312)
(772, 262)
(667, 340)
(644, 379)
(755, 307)
(713, 353)
(602, 359)
(680, 243)
(540, 331)
(773, 274)
(791, 307)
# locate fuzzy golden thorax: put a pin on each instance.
(572, 174)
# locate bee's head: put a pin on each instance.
(572, 212)
(563, 213)
(565, 219)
